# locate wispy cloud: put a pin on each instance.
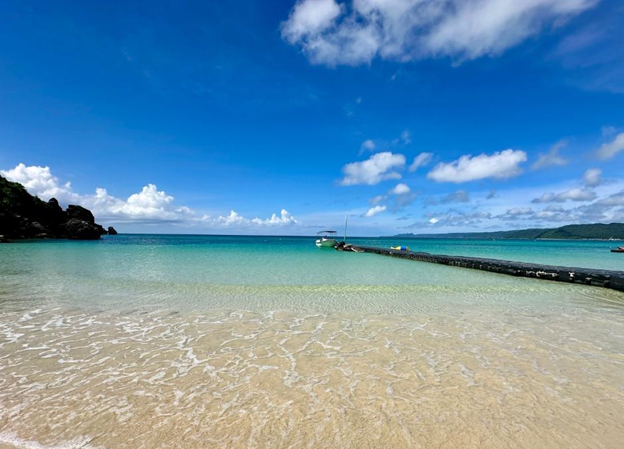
(574, 194)
(592, 177)
(552, 158)
(612, 148)
(357, 31)
(422, 160)
(373, 211)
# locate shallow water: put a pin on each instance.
(259, 342)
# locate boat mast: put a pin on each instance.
(345, 233)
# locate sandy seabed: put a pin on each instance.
(476, 378)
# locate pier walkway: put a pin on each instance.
(587, 276)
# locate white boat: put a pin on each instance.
(326, 239)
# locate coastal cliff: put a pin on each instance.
(24, 216)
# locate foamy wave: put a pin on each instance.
(11, 439)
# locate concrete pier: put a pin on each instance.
(587, 276)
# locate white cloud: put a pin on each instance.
(233, 219)
(617, 199)
(499, 165)
(310, 16)
(406, 137)
(400, 189)
(377, 199)
(422, 160)
(367, 145)
(545, 198)
(236, 220)
(373, 211)
(404, 30)
(574, 194)
(552, 158)
(517, 211)
(379, 167)
(433, 220)
(610, 149)
(39, 181)
(284, 218)
(400, 195)
(592, 177)
(150, 205)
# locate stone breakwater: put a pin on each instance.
(587, 276)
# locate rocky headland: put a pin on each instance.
(23, 216)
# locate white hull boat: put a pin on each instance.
(326, 243)
(326, 239)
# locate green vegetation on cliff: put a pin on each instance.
(597, 231)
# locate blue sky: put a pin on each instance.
(282, 117)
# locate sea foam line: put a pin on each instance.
(12, 439)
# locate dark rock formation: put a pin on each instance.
(79, 213)
(82, 230)
(112, 231)
(25, 216)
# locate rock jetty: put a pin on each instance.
(588, 276)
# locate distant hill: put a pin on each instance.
(597, 231)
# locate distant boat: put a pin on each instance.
(619, 249)
(326, 239)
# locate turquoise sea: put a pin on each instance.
(227, 341)
(264, 273)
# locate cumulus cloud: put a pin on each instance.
(236, 220)
(400, 189)
(592, 177)
(284, 218)
(574, 194)
(150, 205)
(610, 149)
(552, 158)
(499, 165)
(422, 160)
(39, 181)
(379, 167)
(357, 31)
(373, 211)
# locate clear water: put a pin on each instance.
(210, 341)
(268, 273)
